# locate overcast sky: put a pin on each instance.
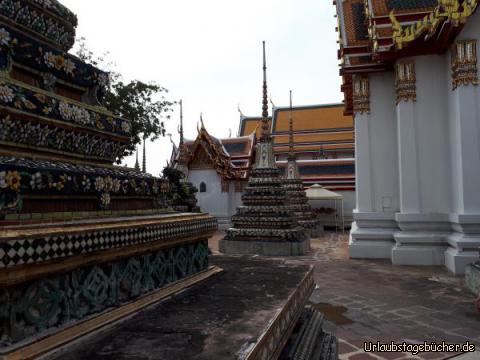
(208, 53)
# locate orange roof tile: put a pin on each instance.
(248, 126)
(355, 22)
(312, 118)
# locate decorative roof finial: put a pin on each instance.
(144, 162)
(201, 120)
(271, 101)
(181, 122)
(137, 165)
(229, 133)
(265, 126)
(290, 129)
(240, 110)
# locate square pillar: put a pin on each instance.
(422, 239)
(371, 235)
(465, 95)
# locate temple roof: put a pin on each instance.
(354, 25)
(306, 119)
(250, 124)
(231, 158)
(375, 33)
(315, 126)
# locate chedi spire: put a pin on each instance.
(264, 224)
(293, 183)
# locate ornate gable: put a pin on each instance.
(201, 160)
(208, 152)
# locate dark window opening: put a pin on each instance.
(203, 187)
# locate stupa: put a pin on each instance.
(82, 242)
(184, 152)
(294, 186)
(265, 224)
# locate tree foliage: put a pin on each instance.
(181, 193)
(145, 104)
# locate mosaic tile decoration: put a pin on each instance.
(29, 251)
(45, 304)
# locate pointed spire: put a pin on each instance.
(144, 162)
(201, 121)
(290, 129)
(181, 123)
(265, 127)
(240, 111)
(137, 165)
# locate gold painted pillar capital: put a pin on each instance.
(361, 94)
(405, 81)
(464, 63)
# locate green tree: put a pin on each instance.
(181, 193)
(145, 104)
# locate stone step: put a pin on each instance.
(309, 341)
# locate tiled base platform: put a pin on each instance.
(247, 312)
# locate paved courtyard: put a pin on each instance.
(374, 301)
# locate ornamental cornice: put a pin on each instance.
(455, 11)
(43, 137)
(38, 58)
(20, 177)
(28, 99)
(48, 20)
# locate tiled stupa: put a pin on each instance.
(79, 236)
(265, 224)
(294, 186)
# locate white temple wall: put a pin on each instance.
(424, 163)
(464, 103)
(222, 205)
(213, 200)
(435, 207)
(377, 187)
(383, 143)
(464, 121)
(432, 134)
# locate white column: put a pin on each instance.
(372, 231)
(423, 231)
(465, 241)
(410, 200)
(363, 166)
(466, 120)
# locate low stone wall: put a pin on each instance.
(55, 276)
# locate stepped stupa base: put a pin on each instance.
(265, 242)
(264, 248)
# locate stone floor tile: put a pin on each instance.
(434, 355)
(390, 355)
(363, 356)
(346, 348)
(386, 302)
